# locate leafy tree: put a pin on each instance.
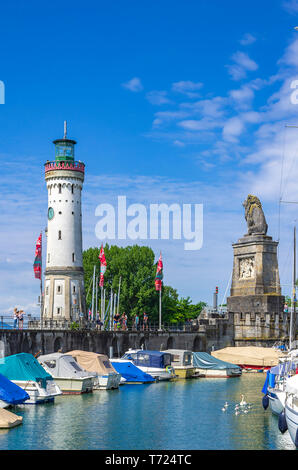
(135, 264)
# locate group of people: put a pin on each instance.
(137, 323)
(18, 318)
(120, 321)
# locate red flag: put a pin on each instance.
(159, 274)
(38, 258)
(103, 265)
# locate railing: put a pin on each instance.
(73, 166)
(30, 322)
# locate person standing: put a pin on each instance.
(15, 318)
(116, 321)
(145, 321)
(21, 319)
(137, 321)
(124, 321)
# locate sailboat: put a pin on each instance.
(275, 384)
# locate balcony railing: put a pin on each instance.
(72, 166)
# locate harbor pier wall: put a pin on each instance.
(204, 337)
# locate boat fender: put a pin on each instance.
(265, 401)
(282, 422)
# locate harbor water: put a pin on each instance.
(185, 415)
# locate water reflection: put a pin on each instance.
(184, 414)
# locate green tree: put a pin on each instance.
(135, 264)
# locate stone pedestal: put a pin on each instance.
(255, 299)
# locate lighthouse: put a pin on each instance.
(64, 293)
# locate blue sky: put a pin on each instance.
(170, 101)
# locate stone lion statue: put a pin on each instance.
(254, 216)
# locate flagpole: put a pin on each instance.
(160, 310)
(92, 308)
(96, 297)
(119, 296)
(41, 299)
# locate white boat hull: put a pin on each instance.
(217, 373)
(39, 394)
(158, 374)
(291, 412)
(74, 386)
(107, 382)
(276, 400)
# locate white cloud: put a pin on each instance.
(134, 85)
(291, 6)
(157, 97)
(187, 88)
(247, 39)
(242, 64)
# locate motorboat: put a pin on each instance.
(106, 377)
(67, 373)
(182, 362)
(131, 374)
(291, 408)
(24, 370)
(10, 393)
(250, 358)
(155, 363)
(211, 367)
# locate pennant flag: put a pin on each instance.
(103, 265)
(38, 258)
(159, 274)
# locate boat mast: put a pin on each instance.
(293, 307)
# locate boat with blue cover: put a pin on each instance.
(209, 366)
(155, 363)
(25, 371)
(130, 373)
(10, 393)
(274, 388)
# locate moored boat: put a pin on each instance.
(67, 373)
(288, 419)
(250, 357)
(209, 366)
(131, 374)
(155, 363)
(182, 362)
(106, 377)
(26, 372)
(10, 393)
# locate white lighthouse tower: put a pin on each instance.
(64, 295)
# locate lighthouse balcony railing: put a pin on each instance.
(65, 165)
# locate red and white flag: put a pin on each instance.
(103, 265)
(159, 274)
(37, 261)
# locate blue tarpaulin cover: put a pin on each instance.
(203, 360)
(11, 393)
(131, 373)
(281, 369)
(148, 358)
(24, 366)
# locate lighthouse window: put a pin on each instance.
(60, 212)
(59, 188)
(59, 290)
(74, 289)
(59, 235)
(73, 257)
(72, 188)
(47, 290)
(59, 309)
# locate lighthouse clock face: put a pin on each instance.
(50, 213)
